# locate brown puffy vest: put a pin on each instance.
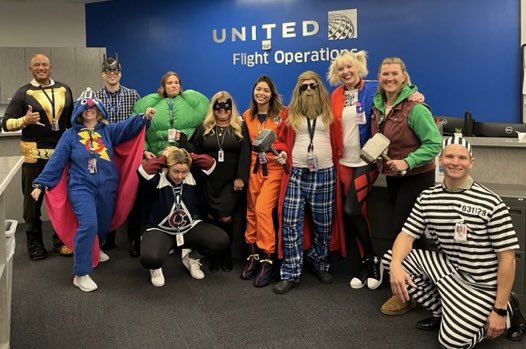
(396, 128)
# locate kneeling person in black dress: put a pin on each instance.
(174, 220)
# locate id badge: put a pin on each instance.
(54, 125)
(220, 155)
(262, 158)
(312, 162)
(92, 165)
(171, 135)
(461, 232)
(360, 114)
(179, 238)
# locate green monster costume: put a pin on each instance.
(185, 113)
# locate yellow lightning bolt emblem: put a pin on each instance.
(93, 142)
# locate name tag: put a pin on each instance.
(171, 135)
(179, 238)
(461, 232)
(312, 162)
(54, 125)
(262, 157)
(92, 165)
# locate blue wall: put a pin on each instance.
(463, 55)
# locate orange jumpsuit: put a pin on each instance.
(263, 190)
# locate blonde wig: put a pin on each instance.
(235, 120)
(356, 59)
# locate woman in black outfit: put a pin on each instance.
(224, 137)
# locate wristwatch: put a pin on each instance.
(500, 312)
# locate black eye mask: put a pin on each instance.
(226, 106)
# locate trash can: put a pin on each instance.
(10, 228)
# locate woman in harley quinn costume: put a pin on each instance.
(88, 149)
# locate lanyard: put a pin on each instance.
(91, 143)
(171, 111)
(178, 194)
(50, 99)
(311, 128)
(178, 197)
(114, 110)
(220, 144)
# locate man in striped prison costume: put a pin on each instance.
(466, 283)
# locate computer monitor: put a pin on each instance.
(449, 124)
(497, 129)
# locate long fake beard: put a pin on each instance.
(310, 105)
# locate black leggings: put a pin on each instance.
(156, 245)
(403, 192)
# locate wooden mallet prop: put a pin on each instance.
(264, 142)
(375, 148)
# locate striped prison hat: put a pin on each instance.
(457, 140)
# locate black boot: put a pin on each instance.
(227, 261)
(35, 246)
(266, 272)
(109, 241)
(215, 263)
(135, 248)
(251, 268)
(518, 324)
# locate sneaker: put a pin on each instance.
(375, 272)
(394, 307)
(103, 257)
(157, 277)
(85, 283)
(360, 280)
(193, 266)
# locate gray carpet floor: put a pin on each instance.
(221, 311)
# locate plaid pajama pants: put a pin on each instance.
(315, 190)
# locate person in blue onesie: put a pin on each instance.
(92, 181)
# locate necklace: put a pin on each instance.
(220, 130)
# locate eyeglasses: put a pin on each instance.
(312, 85)
(114, 71)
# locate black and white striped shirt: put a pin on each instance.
(489, 229)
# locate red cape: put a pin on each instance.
(127, 157)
